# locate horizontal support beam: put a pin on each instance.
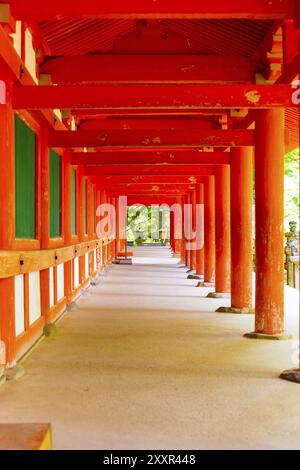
(148, 124)
(119, 69)
(142, 187)
(163, 157)
(149, 113)
(152, 97)
(194, 9)
(174, 138)
(146, 179)
(136, 170)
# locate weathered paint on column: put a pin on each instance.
(269, 215)
(193, 229)
(241, 227)
(7, 222)
(200, 229)
(241, 170)
(209, 229)
(67, 216)
(187, 229)
(222, 211)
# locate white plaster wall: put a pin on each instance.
(51, 287)
(34, 297)
(76, 272)
(19, 305)
(60, 282)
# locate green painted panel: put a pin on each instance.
(84, 205)
(73, 201)
(25, 148)
(55, 179)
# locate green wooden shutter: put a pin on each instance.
(54, 166)
(73, 201)
(25, 147)
(84, 205)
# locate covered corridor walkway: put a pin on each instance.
(144, 363)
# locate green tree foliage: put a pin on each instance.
(291, 187)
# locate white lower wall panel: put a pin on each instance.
(60, 282)
(76, 272)
(51, 286)
(34, 297)
(19, 305)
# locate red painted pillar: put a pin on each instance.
(7, 225)
(269, 236)
(222, 231)
(241, 167)
(193, 229)
(187, 229)
(172, 231)
(182, 252)
(67, 216)
(209, 230)
(200, 230)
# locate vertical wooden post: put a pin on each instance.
(241, 169)
(193, 229)
(209, 230)
(7, 222)
(183, 251)
(67, 216)
(222, 231)
(187, 229)
(269, 215)
(200, 230)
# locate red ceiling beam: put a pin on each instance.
(132, 170)
(145, 112)
(146, 179)
(152, 97)
(155, 187)
(83, 158)
(150, 69)
(252, 9)
(149, 124)
(152, 139)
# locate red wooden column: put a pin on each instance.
(81, 228)
(241, 169)
(200, 230)
(269, 236)
(103, 235)
(193, 229)
(183, 248)
(178, 226)
(7, 223)
(187, 229)
(172, 230)
(67, 215)
(209, 232)
(222, 232)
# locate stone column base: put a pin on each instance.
(292, 375)
(72, 307)
(247, 311)
(14, 373)
(280, 336)
(50, 330)
(194, 276)
(205, 284)
(218, 295)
